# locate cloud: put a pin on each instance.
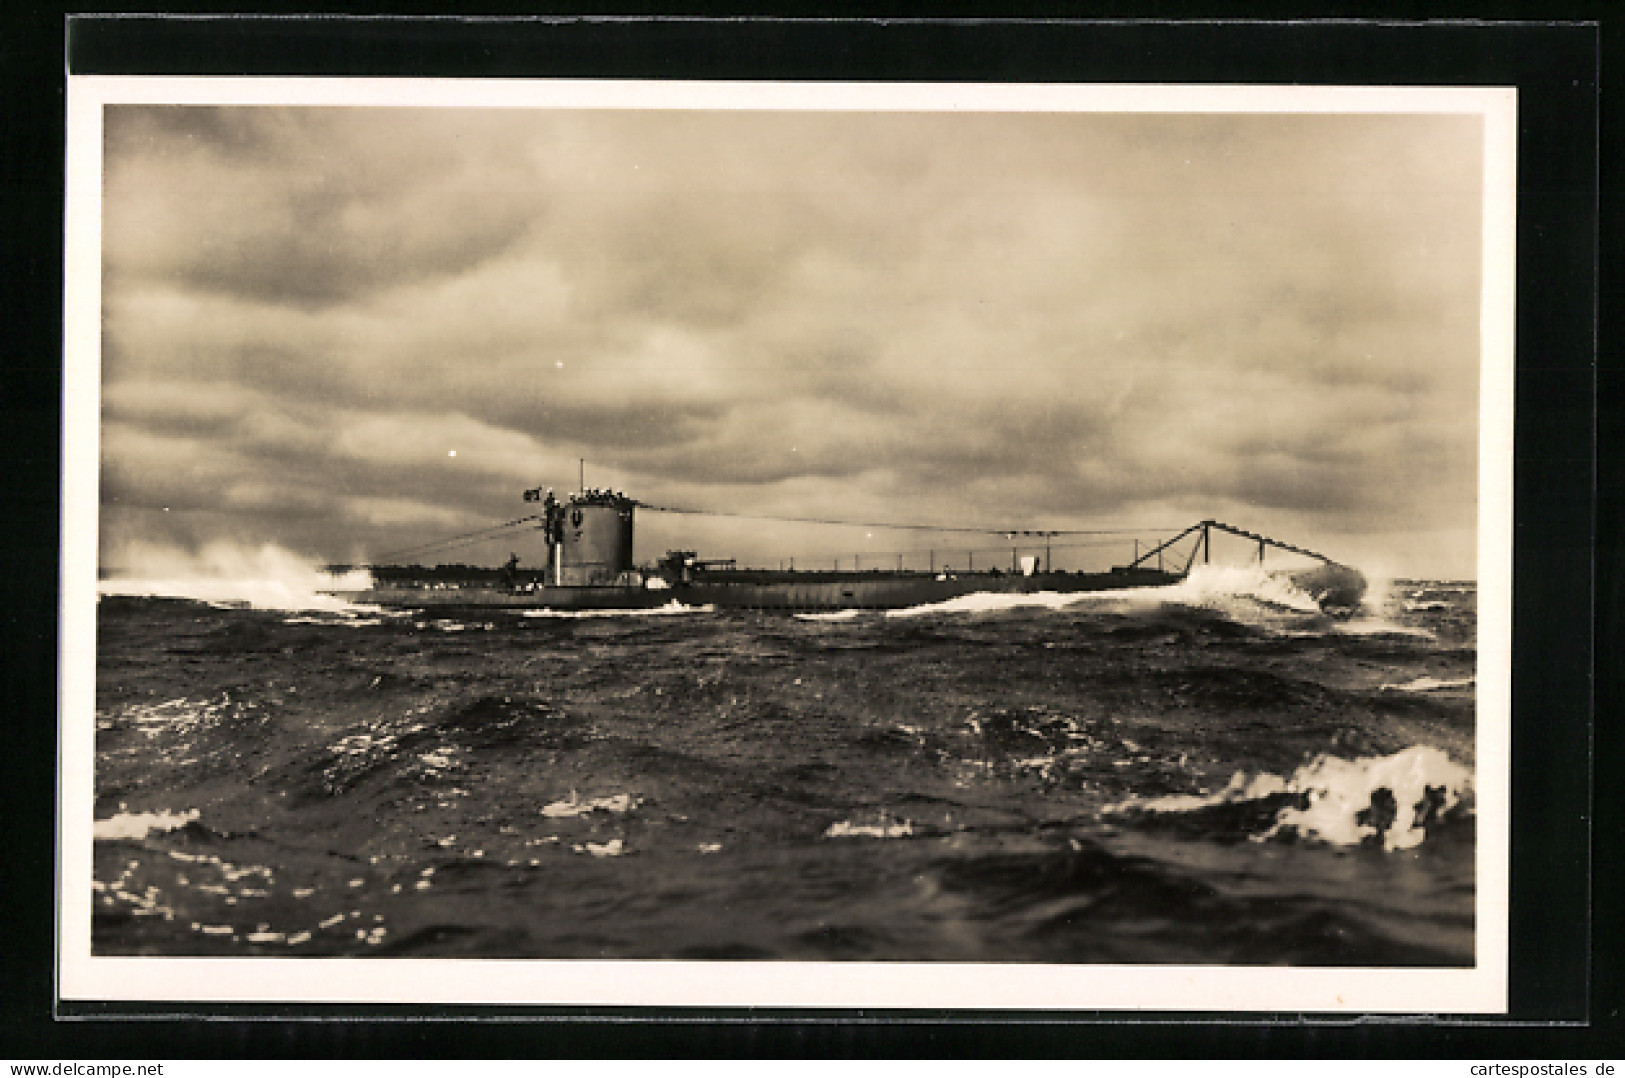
(261, 202)
(1067, 317)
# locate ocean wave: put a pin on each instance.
(180, 716)
(954, 766)
(356, 616)
(138, 825)
(1438, 587)
(1219, 585)
(982, 602)
(1375, 626)
(1428, 684)
(673, 607)
(1389, 800)
(884, 828)
(618, 803)
(613, 848)
(1248, 594)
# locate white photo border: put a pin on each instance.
(82, 976)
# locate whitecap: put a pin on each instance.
(982, 602)
(1379, 627)
(613, 848)
(138, 825)
(831, 615)
(884, 829)
(617, 803)
(1341, 789)
(358, 616)
(673, 607)
(1240, 591)
(1428, 684)
(177, 716)
(1337, 793)
(1215, 585)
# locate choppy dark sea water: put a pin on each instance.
(1214, 773)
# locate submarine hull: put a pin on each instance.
(802, 591)
(883, 591)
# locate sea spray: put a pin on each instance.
(1219, 585)
(266, 578)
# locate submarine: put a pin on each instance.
(589, 566)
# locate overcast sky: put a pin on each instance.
(349, 330)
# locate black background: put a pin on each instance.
(1566, 991)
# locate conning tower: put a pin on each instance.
(589, 538)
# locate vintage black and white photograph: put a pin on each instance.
(1026, 533)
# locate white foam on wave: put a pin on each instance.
(673, 607)
(227, 574)
(832, 615)
(884, 829)
(1376, 626)
(1236, 590)
(617, 803)
(1429, 684)
(981, 602)
(1217, 585)
(613, 848)
(449, 625)
(1338, 791)
(181, 715)
(350, 618)
(138, 825)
